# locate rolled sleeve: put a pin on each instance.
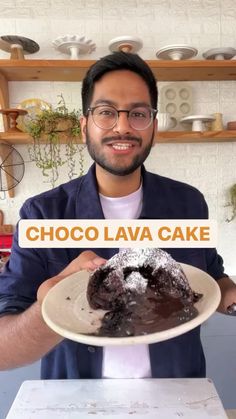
(22, 275)
(215, 266)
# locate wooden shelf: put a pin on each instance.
(74, 70)
(23, 138)
(162, 137)
(15, 138)
(196, 136)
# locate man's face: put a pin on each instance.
(121, 149)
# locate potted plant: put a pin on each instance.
(232, 203)
(49, 129)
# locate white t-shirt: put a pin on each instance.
(125, 207)
(125, 361)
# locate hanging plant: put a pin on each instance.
(232, 203)
(49, 129)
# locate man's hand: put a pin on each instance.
(228, 294)
(87, 260)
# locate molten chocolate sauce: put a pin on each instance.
(147, 313)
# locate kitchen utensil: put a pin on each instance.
(33, 107)
(12, 167)
(12, 114)
(165, 121)
(176, 99)
(126, 44)
(197, 121)
(74, 45)
(18, 46)
(176, 52)
(217, 124)
(219, 53)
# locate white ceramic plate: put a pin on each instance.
(34, 107)
(66, 311)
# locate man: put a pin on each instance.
(119, 107)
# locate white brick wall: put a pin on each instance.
(201, 23)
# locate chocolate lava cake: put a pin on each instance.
(143, 291)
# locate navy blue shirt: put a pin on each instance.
(163, 198)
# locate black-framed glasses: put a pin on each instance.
(106, 116)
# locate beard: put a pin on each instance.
(95, 152)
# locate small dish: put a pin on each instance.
(33, 107)
(65, 309)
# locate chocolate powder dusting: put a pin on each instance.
(144, 290)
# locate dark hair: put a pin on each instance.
(118, 61)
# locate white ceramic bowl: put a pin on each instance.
(165, 121)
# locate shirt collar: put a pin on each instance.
(88, 204)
